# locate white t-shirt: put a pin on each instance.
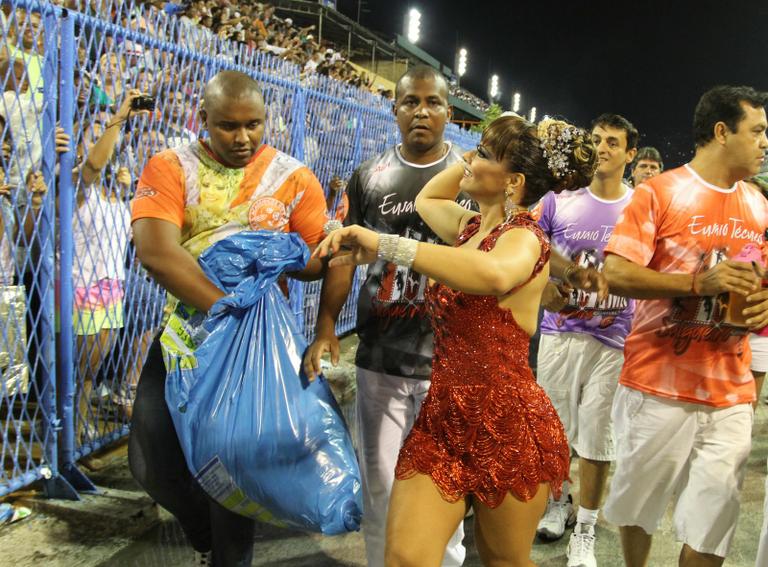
(311, 65)
(101, 230)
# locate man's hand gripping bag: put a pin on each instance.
(258, 437)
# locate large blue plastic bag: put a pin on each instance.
(259, 438)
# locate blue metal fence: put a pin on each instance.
(77, 311)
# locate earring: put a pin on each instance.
(509, 206)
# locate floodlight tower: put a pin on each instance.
(493, 88)
(413, 25)
(461, 64)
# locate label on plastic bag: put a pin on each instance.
(218, 483)
(183, 333)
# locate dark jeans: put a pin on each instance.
(158, 464)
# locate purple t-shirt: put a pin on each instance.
(579, 225)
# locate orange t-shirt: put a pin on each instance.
(681, 348)
(209, 201)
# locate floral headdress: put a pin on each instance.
(556, 145)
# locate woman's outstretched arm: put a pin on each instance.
(508, 265)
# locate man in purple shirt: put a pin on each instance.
(582, 338)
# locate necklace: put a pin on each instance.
(446, 148)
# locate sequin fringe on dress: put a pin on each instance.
(486, 428)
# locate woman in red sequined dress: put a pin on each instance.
(487, 435)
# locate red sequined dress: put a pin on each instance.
(486, 427)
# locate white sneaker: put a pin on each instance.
(558, 516)
(203, 559)
(581, 547)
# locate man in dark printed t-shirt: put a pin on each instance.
(395, 352)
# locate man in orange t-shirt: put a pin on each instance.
(688, 247)
(187, 199)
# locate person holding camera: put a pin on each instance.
(100, 231)
(187, 199)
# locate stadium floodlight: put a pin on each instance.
(493, 88)
(516, 102)
(461, 67)
(413, 25)
(533, 114)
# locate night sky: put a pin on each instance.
(647, 60)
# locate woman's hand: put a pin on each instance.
(62, 141)
(125, 110)
(37, 188)
(123, 176)
(360, 243)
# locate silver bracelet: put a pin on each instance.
(406, 252)
(331, 225)
(398, 250)
(387, 247)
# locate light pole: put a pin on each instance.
(516, 102)
(493, 88)
(533, 114)
(413, 25)
(461, 64)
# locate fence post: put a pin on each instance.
(71, 479)
(299, 112)
(298, 127)
(357, 144)
(54, 482)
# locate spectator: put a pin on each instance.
(14, 218)
(112, 69)
(100, 232)
(178, 134)
(14, 369)
(30, 37)
(151, 141)
(20, 121)
(314, 60)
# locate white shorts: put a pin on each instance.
(691, 454)
(580, 375)
(759, 346)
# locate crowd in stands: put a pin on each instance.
(468, 97)
(255, 25)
